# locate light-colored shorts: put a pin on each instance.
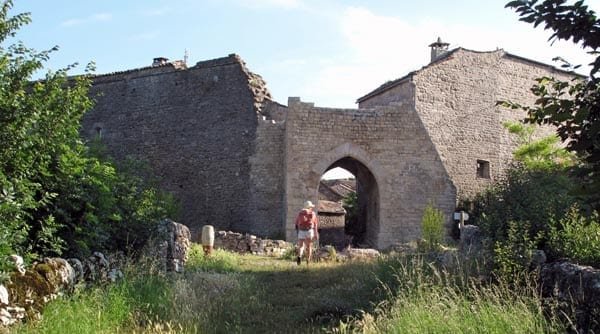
(303, 234)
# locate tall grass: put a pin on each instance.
(423, 299)
(142, 296)
(231, 293)
(220, 261)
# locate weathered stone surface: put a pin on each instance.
(58, 272)
(18, 263)
(5, 317)
(205, 131)
(360, 253)
(538, 258)
(577, 288)
(170, 245)
(31, 288)
(3, 295)
(403, 248)
(78, 270)
(239, 161)
(471, 240)
(247, 243)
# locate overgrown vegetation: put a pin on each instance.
(425, 299)
(576, 237)
(56, 196)
(534, 207)
(229, 292)
(516, 214)
(252, 294)
(432, 227)
(573, 107)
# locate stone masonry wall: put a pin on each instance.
(196, 128)
(266, 180)
(456, 100)
(403, 92)
(390, 141)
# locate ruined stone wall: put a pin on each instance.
(456, 100)
(389, 141)
(197, 129)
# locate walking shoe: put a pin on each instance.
(298, 260)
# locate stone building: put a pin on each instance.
(239, 161)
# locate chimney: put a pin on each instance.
(438, 49)
(159, 61)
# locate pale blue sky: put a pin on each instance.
(326, 51)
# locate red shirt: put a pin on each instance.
(315, 220)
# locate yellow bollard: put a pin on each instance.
(208, 239)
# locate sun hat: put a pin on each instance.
(308, 205)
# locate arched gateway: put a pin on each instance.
(397, 168)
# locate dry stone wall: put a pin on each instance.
(250, 244)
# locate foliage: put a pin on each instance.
(516, 214)
(352, 225)
(541, 154)
(57, 196)
(143, 295)
(577, 237)
(219, 261)
(513, 254)
(433, 227)
(424, 299)
(572, 106)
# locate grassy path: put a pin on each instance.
(229, 293)
(278, 296)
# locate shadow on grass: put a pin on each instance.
(277, 296)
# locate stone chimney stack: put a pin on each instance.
(159, 61)
(438, 49)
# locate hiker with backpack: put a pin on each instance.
(307, 228)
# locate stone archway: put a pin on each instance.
(367, 171)
(362, 223)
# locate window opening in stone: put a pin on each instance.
(98, 132)
(483, 169)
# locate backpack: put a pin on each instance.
(305, 220)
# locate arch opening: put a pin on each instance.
(348, 205)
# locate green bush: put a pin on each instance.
(220, 261)
(56, 195)
(433, 227)
(577, 237)
(517, 213)
(513, 254)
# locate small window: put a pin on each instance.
(483, 169)
(98, 132)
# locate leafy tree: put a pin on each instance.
(56, 195)
(572, 106)
(538, 154)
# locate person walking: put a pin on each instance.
(307, 228)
